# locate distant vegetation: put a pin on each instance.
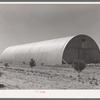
(23, 62)
(79, 65)
(6, 65)
(32, 63)
(42, 64)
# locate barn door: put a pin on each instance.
(81, 54)
(84, 52)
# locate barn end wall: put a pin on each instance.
(74, 50)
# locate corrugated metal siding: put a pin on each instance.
(48, 52)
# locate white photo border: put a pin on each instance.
(50, 93)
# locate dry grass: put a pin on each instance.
(42, 77)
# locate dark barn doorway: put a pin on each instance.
(81, 47)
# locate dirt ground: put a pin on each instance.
(46, 77)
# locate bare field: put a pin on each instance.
(43, 77)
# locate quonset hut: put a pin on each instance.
(54, 52)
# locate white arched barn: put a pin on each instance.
(54, 52)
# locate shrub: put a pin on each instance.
(79, 65)
(1, 73)
(2, 85)
(6, 64)
(42, 64)
(32, 63)
(23, 62)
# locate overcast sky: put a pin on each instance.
(27, 23)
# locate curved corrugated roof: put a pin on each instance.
(51, 52)
(48, 52)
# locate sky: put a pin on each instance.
(28, 23)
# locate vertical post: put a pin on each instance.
(84, 52)
(83, 47)
(78, 53)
